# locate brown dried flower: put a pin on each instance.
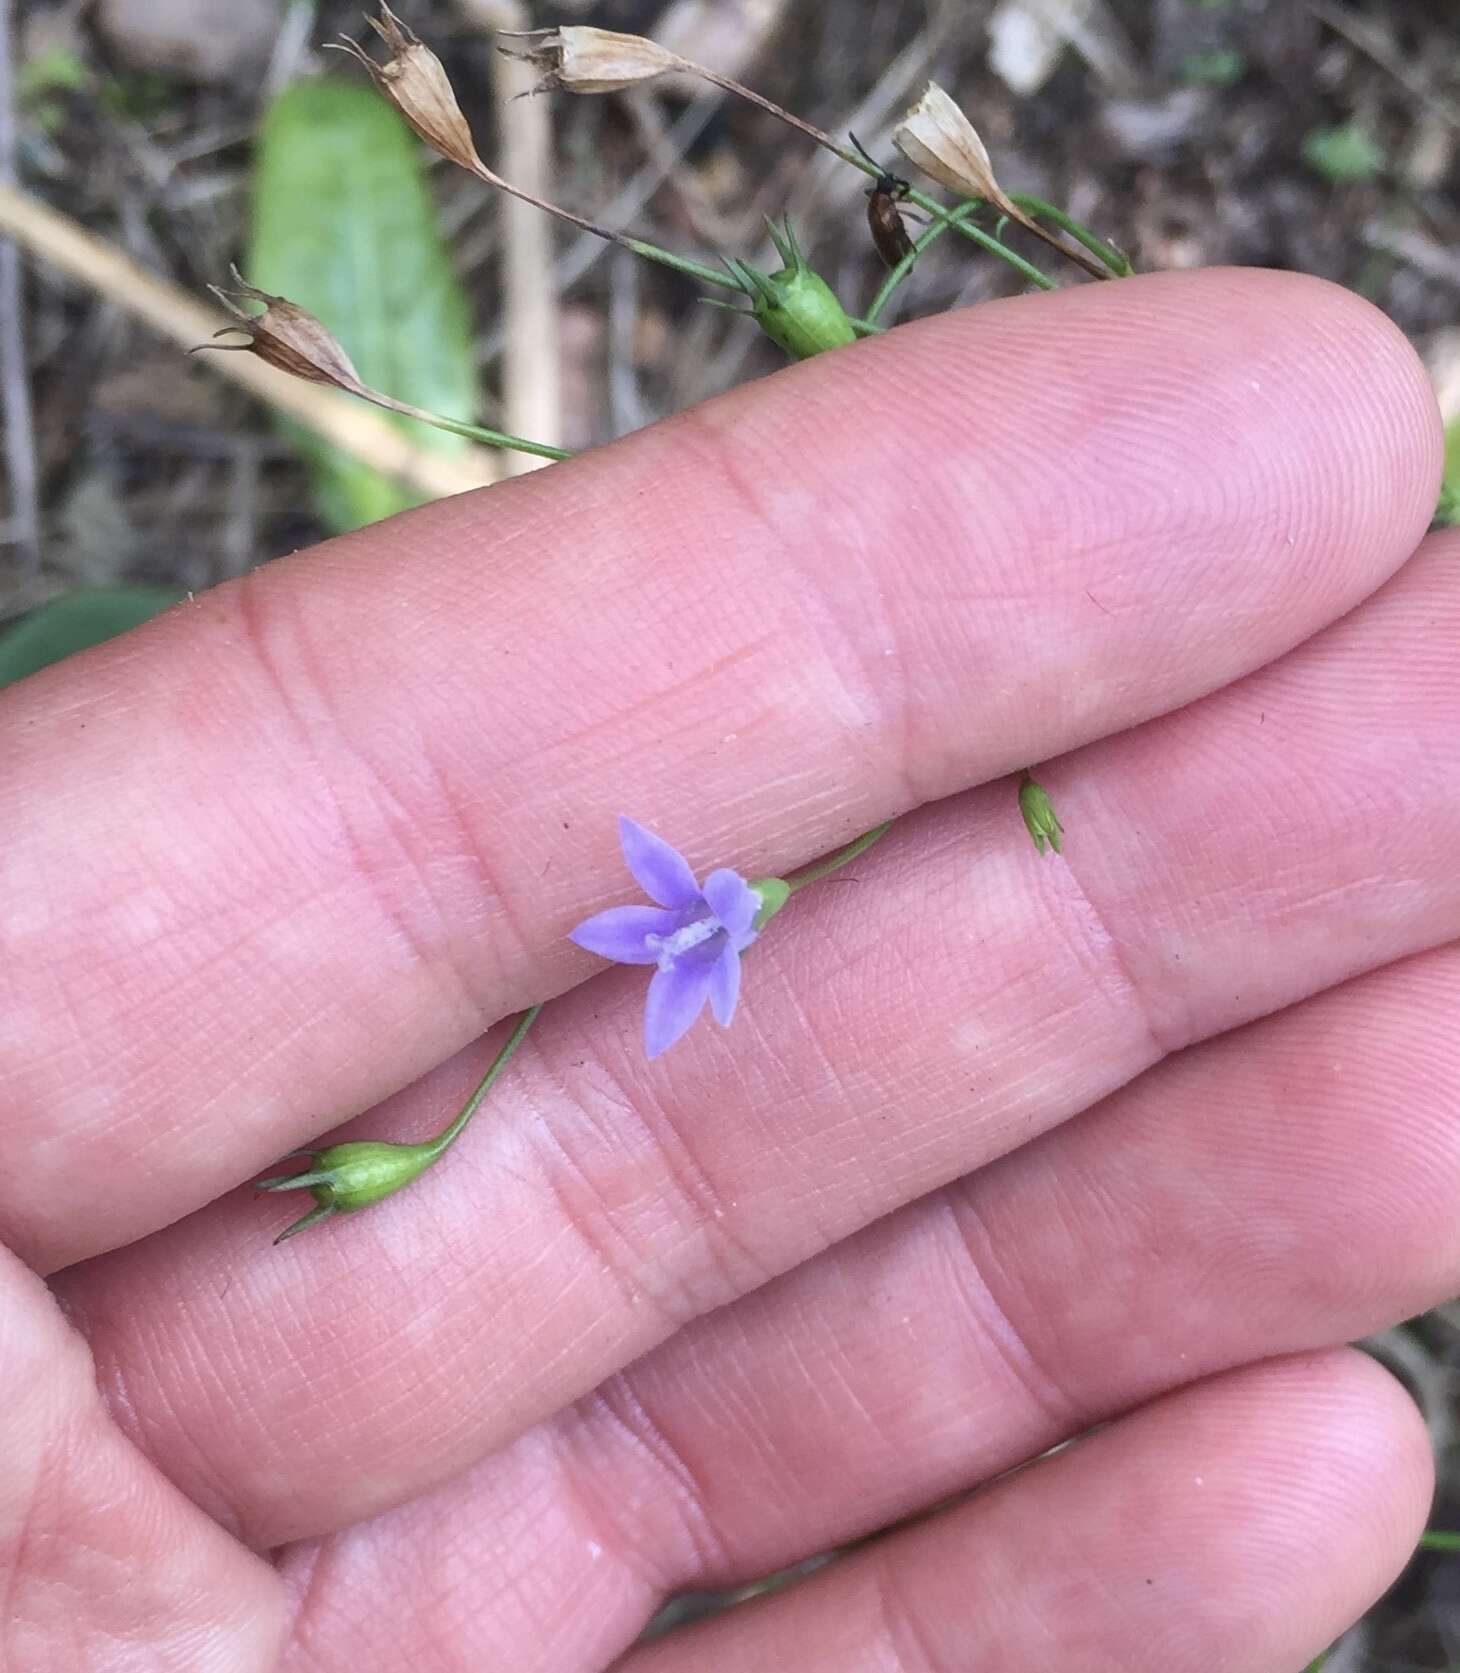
(415, 81)
(287, 336)
(584, 60)
(938, 138)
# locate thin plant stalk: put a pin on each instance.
(945, 219)
(1115, 260)
(843, 856)
(454, 1129)
(477, 432)
(820, 137)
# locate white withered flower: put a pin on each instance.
(936, 137)
(583, 60)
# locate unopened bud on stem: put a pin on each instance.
(1039, 815)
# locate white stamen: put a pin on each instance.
(671, 947)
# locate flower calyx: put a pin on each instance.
(344, 1178)
(794, 306)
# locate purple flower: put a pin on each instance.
(694, 935)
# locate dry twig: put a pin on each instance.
(175, 314)
(532, 403)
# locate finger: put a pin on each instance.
(1287, 1187)
(286, 849)
(595, 1211)
(102, 1562)
(1242, 1523)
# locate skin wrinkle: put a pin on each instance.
(994, 1324)
(1100, 939)
(901, 1622)
(497, 911)
(718, 451)
(616, 1403)
(595, 1224)
(361, 771)
(701, 1216)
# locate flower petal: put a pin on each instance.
(725, 985)
(661, 872)
(732, 900)
(676, 998)
(619, 933)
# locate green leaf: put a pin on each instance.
(75, 621)
(1218, 66)
(344, 225)
(1448, 510)
(1344, 156)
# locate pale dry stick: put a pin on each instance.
(178, 316)
(532, 395)
(20, 455)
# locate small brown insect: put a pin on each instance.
(884, 218)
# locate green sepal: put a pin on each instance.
(795, 306)
(1039, 816)
(344, 1178)
(773, 893)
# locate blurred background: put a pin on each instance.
(148, 145)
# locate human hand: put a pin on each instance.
(289, 851)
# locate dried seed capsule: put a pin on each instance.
(938, 138)
(584, 60)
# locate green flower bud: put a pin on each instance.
(347, 1177)
(1039, 815)
(795, 307)
(774, 892)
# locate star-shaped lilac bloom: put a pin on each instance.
(694, 935)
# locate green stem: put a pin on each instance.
(1035, 275)
(947, 217)
(680, 264)
(1438, 1539)
(1115, 260)
(480, 432)
(833, 862)
(449, 1135)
